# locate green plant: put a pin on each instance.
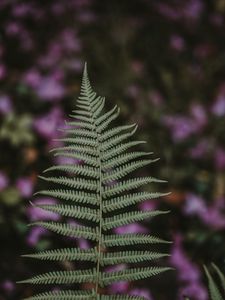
(98, 195)
(214, 289)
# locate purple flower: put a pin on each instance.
(214, 218)
(21, 9)
(200, 149)
(35, 234)
(193, 9)
(131, 228)
(35, 213)
(168, 11)
(194, 291)
(83, 244)
(147, 205)
(8, 286)
(50, 89)
(5, 104)
(4, 181)
(63, 160)
(32, 78)
(194, 205)
(181, 127)
(25, 186)
(70, 40)
(3, 71)
(48, 124)
(199, 114)
(121, 286)
(187, 271)
(177, 42)
(219, 159)
(218, 107)
(156, 98)
(209, 215)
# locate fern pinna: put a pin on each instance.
(97, 191)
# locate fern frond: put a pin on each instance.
(132, 274)
(63, 295)
(92, 191)
(81, 133)
(120, 149)
(69, 254)
(130, 199)
(80, 124)
(69, 230)
(72, 211)
(124, 158)
(120, 172)
(75, 196)
(220, 275)
(63, 277)
(121, 297)
(71, 182)
(213, 288)
(88, 159)
(130, 257)
(114, 141)
(77, 169)
(129, 217)
(115, 131)
(131, 239)
(128, 185)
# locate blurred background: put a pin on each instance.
(163, 63)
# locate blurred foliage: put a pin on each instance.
(163, 63)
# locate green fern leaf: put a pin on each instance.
(213, 288)
(130, 199)
(131, 239)
(63, 295)
(93, 191)
(66, 254)
(220, 275)
(72, 211)
(129, 217)
(69, 230)
(130, 257)
(132, 274)
(75, 196)
(63, 277)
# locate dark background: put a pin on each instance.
(163, 63)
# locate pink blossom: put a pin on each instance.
(83, 244)
(25, 186)
(5, 104)
(4, 181)
(131, 228)
(32, 78)
(36, 214)
(8, 286)
(177, 42)
(35, 234)
(48, 124)
(3, 71)
(218, 107)
(219, 159)
(200, 149)
(50, 89)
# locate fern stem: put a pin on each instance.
(100, 217)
